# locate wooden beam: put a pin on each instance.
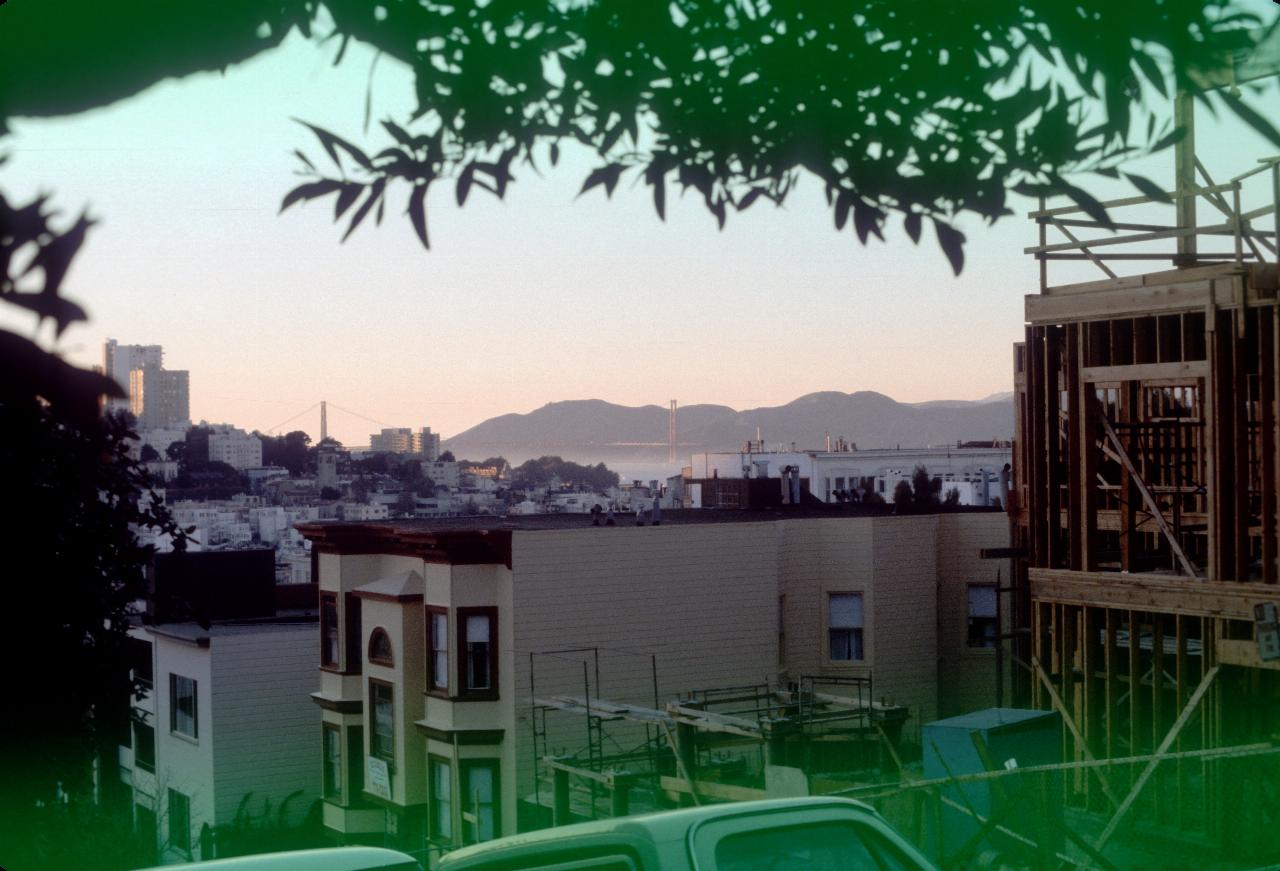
(1180, 372)
(711, 789)
(1163, 594)
(1069, 721)
(1158, 756)
(1152, 506)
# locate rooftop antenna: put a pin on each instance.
(324, 420)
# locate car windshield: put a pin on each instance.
(818, 847)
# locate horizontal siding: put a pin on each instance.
(267, 729)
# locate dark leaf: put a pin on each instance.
(332, 143)
(418, 213)
(1149, 188)
(912, 225)
(1151, 70)
(611, 138)
(309, 191)
(844, 201)
(398, 133)
(1174, 136)
(346, 197)
(311, 166)
(465, 178)
(555, 153)
(375, 194)
(866, 220)
(659, 183)
(605, 175)
(1086, 201)
(748, 198)
(951, 241)
(1251, 117)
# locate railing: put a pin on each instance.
(1251, 243)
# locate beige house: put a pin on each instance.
(437, 637)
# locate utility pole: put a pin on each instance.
(324, 420)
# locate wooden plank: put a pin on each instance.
(1165, 594)
(1076, 447)
(1152, 506)
(714, 722)
(1180, 371)
(1157, 757)
(1128, 302)
(1185, 192)
(1240, 446)
(1269, 378)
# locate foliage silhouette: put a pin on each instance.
(923, 111)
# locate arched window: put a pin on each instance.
(380, 647)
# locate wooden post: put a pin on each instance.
(560, 797)
(1184, 156)
(620, 799)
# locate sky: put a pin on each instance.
(539, 298)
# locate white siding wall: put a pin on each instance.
(182, 763)
(267, 728)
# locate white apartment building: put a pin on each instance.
(403, 440)
(430, 632)
(235, 447)
(226, 715)
(974, 471)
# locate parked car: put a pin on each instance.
(802, 834)
(333, 859)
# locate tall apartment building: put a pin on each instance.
(159, 398)
(120, 360)
(438, 638)
(403, 440)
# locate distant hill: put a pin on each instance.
(595, 429)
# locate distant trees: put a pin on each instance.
(540, 471)
(148, 454)
(177, 451)
(902, 497)
(925, 491)
(447, 457)
(330, 493)
(289, 451)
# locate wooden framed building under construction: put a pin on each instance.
(1145, 506)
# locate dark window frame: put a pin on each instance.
(981, 631)
(434, 762)
(194, 734)
(465, 767)
(146, 764)
(353, 630)
(330, 633)
(183, 842)
(857, 635)
(386, 755)
(379, 634)
(465, 690)
(331, 769)
(434, 688)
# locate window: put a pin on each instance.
(179, 821)
(438, 649)
(329, 651)
(332, 761)
(480, 800)
(441, 811)
(182, 706)
(144, 746)
(140, 653)
(844, 622)
(380, 647)
(983, 625)
(478, 660)
(382, 720)
(354, 657)
(815, 845)
(355, 761)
